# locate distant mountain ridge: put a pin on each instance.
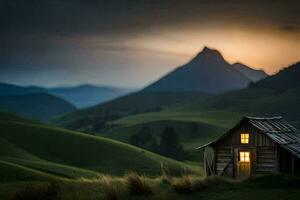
(81, 96)
(12, 89)
(287, 78)
(89, 95)
(184, 84)
(252, 74)
(208, 72)
(37, 106)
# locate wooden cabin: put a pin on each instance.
(253, 147)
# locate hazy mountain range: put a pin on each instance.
(37, 106)
(41, 104)
(208, 72)
(81, 96)
(88, 95)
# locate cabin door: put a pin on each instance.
(243, 168)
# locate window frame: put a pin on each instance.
(244, 138)
(245, 156)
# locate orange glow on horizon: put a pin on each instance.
(257, 50)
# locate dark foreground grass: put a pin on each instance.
(134, 186)
(38, 192)
(138, 185)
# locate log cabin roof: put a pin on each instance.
(275, 128)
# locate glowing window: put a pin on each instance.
(245, 138)
(244, 156)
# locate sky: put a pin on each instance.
(131, 43)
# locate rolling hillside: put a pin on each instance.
(207, 118)
(94, 119)
(38, 152)
(275, 95)
(208, 72)
(38, 106)
(196, 120)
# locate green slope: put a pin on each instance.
(93, 119)
(10, 172)
(191, 127)
(213, 115)
(52, 152)
(259, 102)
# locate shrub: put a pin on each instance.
(110, 192)
(190, 184)
(165, 171)
(38, 192)
(138, 185)
(186, 184)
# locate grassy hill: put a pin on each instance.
(188, 125)
(261, 102)
(94, 119)
(193, 128)
(197, 122)
(43, 152)
(196, 119)
(37, 106)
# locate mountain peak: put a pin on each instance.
(207, 72)
(209, 52)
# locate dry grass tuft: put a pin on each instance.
(110, 191)
(138, 185)
(189, 184)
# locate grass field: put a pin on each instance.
(92, 119)
(193, 128)
(43, 152)
(276, 187)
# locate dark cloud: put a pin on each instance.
(31, 30)
(38, 25)
(292, 28)
(65, 17)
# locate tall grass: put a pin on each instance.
(138, 184)
(189, 184)
(110, 191)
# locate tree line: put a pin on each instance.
(167, 144)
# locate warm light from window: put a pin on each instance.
(244, 156)
(245, 138)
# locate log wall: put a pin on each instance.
(223, 157)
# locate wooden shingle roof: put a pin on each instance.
(276, 128)
(280, 132)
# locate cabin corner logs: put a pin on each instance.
(255, 146)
